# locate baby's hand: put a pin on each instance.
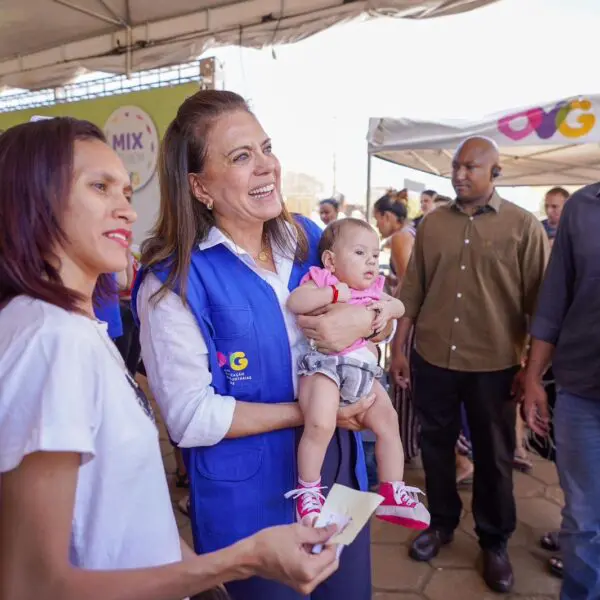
(381, 310)
(386, 309)
(344, 293)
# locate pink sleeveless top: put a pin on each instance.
(323, 278)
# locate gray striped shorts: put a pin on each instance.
(354, 378)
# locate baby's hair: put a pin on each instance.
(336, 229)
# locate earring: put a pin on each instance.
(209, 206)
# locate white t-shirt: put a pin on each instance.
(63, 390)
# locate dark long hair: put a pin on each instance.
(184, 221)
(394, 202)
(36, 171)
(332, 202)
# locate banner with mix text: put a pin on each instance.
(134, 125)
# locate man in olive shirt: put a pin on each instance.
(472, 283)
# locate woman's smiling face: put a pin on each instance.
(241, 180)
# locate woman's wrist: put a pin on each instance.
(234, 563)
(246, 558)
(296, 416)
(290, 415)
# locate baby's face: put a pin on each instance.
(356, 257)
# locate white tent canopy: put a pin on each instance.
(555, 143)
(47, 43)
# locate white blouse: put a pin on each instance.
(176, 356)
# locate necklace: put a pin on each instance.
(139, 393)
(264, 255)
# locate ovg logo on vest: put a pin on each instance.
(234, 364)
(133, 136)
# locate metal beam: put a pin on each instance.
(424, 162)
(88, 12)
(128, 12)
(116, 16)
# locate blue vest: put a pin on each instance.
(237, 486)
(109, 311)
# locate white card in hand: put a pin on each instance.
(350, 510)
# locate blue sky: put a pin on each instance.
(316, 97)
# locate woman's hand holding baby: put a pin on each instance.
(337, 326)
(352, 417)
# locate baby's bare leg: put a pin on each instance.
(319, 399)
(382, 419)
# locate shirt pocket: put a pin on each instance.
(237, 347)
(228, 487)
(231, 461)
(501, 248)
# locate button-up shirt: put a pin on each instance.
(471, 284)
(175, 353)
(568, 314)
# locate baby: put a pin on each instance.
(349, 252)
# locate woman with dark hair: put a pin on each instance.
(329, 210)
(391, 215)
(221, 347)
(85, 508)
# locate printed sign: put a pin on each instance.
(571, 119)
(133, 136)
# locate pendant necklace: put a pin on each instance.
(264, 254)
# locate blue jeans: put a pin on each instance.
(577, 433)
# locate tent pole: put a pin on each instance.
(368, 186)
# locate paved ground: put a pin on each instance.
(453, 575)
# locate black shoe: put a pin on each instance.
(555, 564)
(497, 570)
(426, 545)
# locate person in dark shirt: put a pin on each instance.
(566, 331)
(554, 203)
(545, 446)
(428, 198)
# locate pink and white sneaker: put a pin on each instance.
(309, 501)
(401, 506)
